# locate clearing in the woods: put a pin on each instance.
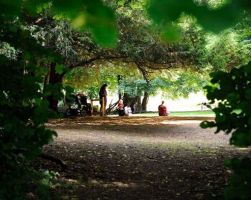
(147, 158)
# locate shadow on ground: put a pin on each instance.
(148, 158)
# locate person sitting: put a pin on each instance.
(121, 108)
(162, 109)
(128, 110)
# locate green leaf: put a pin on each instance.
(249, 121)
(41, 112)
(237, 111)
(218, 19)
(105, 36)
(79, 21)
(102, 23)
(207, 124)
(166, 11)
(10, 8)
(241, 138)
(227, 163)
(220, 118)
(59, 68)
(247, 68)
(34, 6)
(233, 97)
(171, 32)
(69, 9)
(218, 75)
(248, 94)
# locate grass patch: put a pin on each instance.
(204, 113)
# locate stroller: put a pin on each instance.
(77, 106)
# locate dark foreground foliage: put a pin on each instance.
(22, 133)
(232, 92)
(24, 107)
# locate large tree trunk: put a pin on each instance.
(119, 78)
(127, 99)
(53, 78)
(133, 102)
(145, 101)
(138, 107)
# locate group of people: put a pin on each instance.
(124, 110)
(127, 111)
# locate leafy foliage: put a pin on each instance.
(170, 83)
(240, 182)
(228, 50)
(90, 80)
(22, 134)
(24, 57)
(213, 17)
(232, 91)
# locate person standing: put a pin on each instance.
(162, 109)
(103, 99)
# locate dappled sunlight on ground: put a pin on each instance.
(97, 121)
(140, 158)
(181, 131)
(112, 184)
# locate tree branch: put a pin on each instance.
(144, 72)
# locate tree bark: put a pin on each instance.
(119, 78)
(145, 101)
(53, 78)
(133, 102)
(127, 99)
(138, 107)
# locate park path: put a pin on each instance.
(146, 158)
(140, 130)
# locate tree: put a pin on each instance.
(173, 83)
(80, 50)
(140, 46)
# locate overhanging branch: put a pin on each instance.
(144, 72)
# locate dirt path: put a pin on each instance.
(147, 158)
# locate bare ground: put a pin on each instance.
(146, 158)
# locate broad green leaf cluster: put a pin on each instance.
(212, 15)
(232, 92)
(94, 15)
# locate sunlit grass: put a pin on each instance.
(193, 113)
(206, 113)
